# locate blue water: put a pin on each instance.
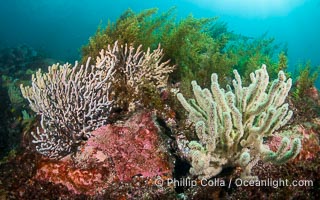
(60, 27)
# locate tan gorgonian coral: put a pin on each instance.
(135, 71)
(231, 124)
(71, 101)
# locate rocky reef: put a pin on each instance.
(122, 124)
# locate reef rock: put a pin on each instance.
(113, 155)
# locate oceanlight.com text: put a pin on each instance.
(238, 182)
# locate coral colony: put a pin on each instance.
(73, 101)
(231, 124)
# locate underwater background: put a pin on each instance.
(59, 28)
(138, 125)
